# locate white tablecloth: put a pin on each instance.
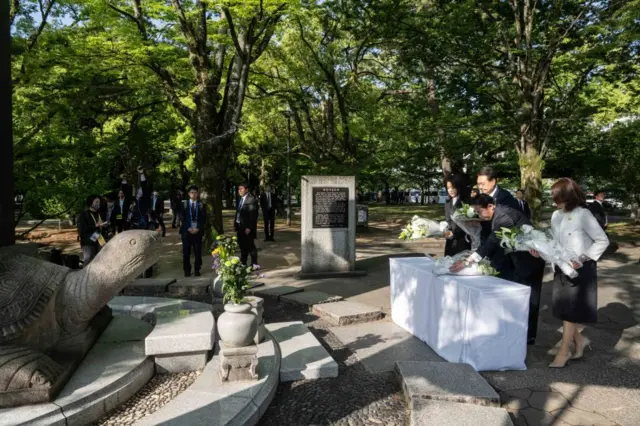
(481, 321)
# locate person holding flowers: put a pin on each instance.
(575, 300)
(457, 240)
(519, 267)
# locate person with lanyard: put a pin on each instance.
(193, 214)
(90, 226)
(246, 224)
(120, 213)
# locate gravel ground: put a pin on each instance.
(161, 389)
(355, 398)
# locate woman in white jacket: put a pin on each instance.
(575, 300)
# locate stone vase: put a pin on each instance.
(237, 325)
(258, 309)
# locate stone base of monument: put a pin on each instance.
(321, 275)
(238, 363)
(65, 359)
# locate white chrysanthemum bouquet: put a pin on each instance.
(468, 220)
(422, 228)
(479, 268)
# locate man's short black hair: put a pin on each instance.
(483, 200)
(489, 172)
(520, 190)
(193, 188)
(598, 192)
(244, 185)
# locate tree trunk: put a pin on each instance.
(531, 165)
(7, 230)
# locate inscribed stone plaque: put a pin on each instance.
(330, 207)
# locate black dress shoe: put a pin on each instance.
(197, 274)
(187, 274)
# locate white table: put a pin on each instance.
(480, 320)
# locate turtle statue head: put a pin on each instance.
(130, 252)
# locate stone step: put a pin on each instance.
(149, 286)
(274, 291)
(445, 413)
(445, 381)
(346, 312)
(303, 357)
(310, 298)
(190, 286)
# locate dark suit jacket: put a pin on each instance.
(504, 198)
(516, 266)
(264, 203)
(117, 211)
(525, 208)
(185, 216)
(159, 210)
(597, 210)
(248, 216)
(459, 242)
(87, 227)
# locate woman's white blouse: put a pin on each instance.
(579, 232)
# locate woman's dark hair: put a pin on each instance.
(90, 199)
(483, 200)
(460, 183)
(489, 172)
(567, 192)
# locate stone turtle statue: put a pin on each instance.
(50, 315)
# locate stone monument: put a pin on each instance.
(50, 316)
(328, 226)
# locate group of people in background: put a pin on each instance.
(578, 227)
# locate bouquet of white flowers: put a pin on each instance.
(527, 238)
(469, 221)
(422, 228)
(480, 268)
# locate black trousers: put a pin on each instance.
(532, 279)
(121, 225)
(247, 248)
(269, 218)
(190, 241)
(160, 221)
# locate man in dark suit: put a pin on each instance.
(597, 210)
(520, 266)
(193, 214)
(268, 203)
(176, 205)
(120, 213)
(157, 211)
(522, 204)
(487, 181)
(246, 224)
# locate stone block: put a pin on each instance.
(328, 249)
(149, 286)
(190, 286)
(125, 329)
(303, 357)
(181, 363)
(446, 413)
(310, 298)
(445, 381)
(175, 335)
(346, 312)
(379, 345)
(238, 363)
(37, 415)
(275, 291)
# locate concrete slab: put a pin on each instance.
(303, 357)
(125, 329)
(181, 363)
(379, 345)
(175, 335)
(149, 286)
(190, 286)
(110, 374)
(346, 312)
(274, 291)
(37, 415)
(445, 381)
(310, 298)
(445, 413)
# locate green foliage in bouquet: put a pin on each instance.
(234, 275)
(466, 211)
(409, 232)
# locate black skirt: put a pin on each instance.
(576, 299)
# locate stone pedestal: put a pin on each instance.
(238, 363)
(258, 309)
(328, 226)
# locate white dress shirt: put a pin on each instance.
(579, 232)
(240, 208)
